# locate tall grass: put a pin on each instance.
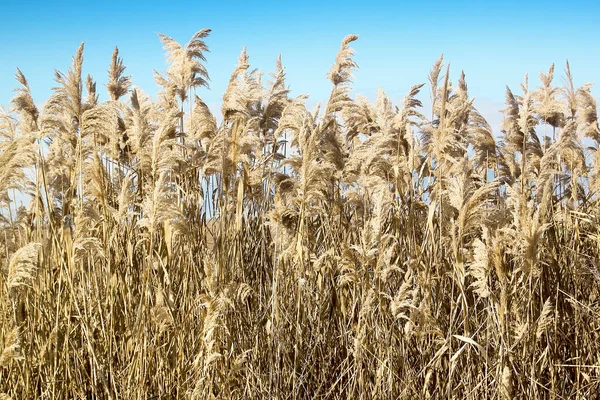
(360, 250)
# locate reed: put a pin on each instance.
(359, 250)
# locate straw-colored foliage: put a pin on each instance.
(359, 250)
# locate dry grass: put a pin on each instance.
(361, 251)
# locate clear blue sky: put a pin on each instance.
(496, 43)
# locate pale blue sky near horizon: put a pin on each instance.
(495, 42)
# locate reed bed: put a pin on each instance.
(359, 250)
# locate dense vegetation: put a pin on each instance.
(360, 250)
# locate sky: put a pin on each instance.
(495, 42)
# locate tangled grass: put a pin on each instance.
(361, 250)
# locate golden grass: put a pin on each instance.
(361, 251)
